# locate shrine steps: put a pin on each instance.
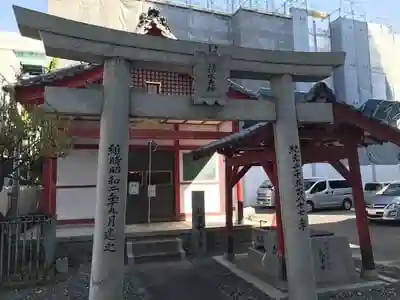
(78, 246)
(154, 250)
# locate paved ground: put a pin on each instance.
(197, 280)
(385, 237)
(205, 279)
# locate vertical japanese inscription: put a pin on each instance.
(200, 226)
(294, 152)
(325, 257)
(211, 77)
(212, 70)
(113, 196)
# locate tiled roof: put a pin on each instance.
(373, 109)
(231, 141)
(57, 75)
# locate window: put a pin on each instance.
(32, 69)
(135, 176)
(308, 184)
(319, 187)
(266, 184)
(339, 184)
(392, 189)
(153, 87)
(204, 169)
(372, 187)
(159, 177)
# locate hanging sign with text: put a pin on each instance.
(151, 191)
(133, 188)
(211, 73)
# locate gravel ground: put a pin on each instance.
(194, 279)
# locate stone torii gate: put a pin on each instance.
(210, 66)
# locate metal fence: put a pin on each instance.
(27, 246)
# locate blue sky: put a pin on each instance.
(7, 20)
(386, 11)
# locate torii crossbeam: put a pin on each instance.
(210, 66)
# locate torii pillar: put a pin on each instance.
(106, 280)
(291, 193)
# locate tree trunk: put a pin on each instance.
(14, 195)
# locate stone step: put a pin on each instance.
(155, 257)
(154, 246)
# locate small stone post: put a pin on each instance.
(199, 235)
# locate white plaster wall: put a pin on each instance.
(77, 169)
(212, 192)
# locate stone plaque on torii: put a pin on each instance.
(210, 66)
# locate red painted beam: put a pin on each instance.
(93, 133)
(309, 155)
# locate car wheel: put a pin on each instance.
(310, 206)
(347, 204)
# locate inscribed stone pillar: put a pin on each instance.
(199, 238)
(299, 262)
(106, 281)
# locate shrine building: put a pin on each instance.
(70, 183)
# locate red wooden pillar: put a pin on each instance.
(240, 204)
(48, 204)
(229, 212)
(239, 190)
(367, 256)
(270, 169)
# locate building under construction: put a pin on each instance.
(369, 71)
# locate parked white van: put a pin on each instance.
(320, 193)
(328, 193)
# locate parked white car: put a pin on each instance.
(29, 200)
(385, 205)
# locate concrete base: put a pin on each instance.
(229, 256)
(276, 289)
(157, 250)
(369, 274)
(333, 262)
